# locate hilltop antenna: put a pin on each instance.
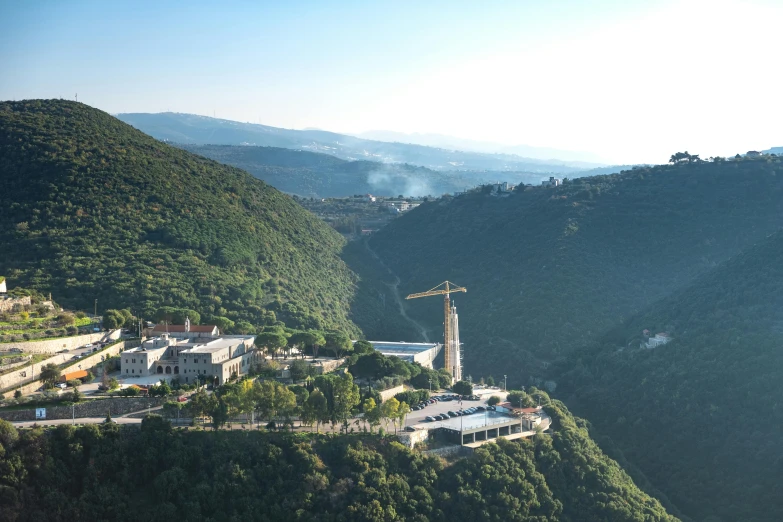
(76, 96)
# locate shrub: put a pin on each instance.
(494, 400)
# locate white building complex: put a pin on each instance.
(192, 353)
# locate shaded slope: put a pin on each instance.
(549, 269)
(702, 415)
(94, 209)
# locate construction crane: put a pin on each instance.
(449, 329)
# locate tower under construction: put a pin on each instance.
(452, 345)
(453, 361)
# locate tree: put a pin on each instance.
(389, 411)
(372, 413)
(113, 319)
(463, 388)
(337, 343)
(272, 341)
(224, 324)
(520, 399)
(362, 347)
(342, 395)
(493, 401)
(113, 383)
(49, 374)
(299, 370)
(490, 381)
(317, 341)
(316, 409)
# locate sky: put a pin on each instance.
(630, 81)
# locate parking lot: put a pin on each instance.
(416, 418)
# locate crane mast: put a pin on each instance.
(450, 340)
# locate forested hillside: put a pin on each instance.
(549, 269)
(309, 174)
(94, 209)
(202, 130)
(85, 473)
(701, 416)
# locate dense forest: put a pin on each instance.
(104, 472)
(549, 269)
(309, 174)
(94, 209)
(702, 415)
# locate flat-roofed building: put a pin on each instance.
(422, 353)
(199, 355)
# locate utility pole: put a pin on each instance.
(505, 388)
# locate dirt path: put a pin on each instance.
(396, 293)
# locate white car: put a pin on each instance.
(61, 385)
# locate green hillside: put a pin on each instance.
(548, 269)
(85, 473)
(309, 174)
(94, 209)
(701, 416)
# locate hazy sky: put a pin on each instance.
(630, 80)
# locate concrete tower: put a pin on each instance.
(453, 345)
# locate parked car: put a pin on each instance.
(429, 418)
(452, 414)
(15, 350)
(416, 408)
(61, 385)
(63, 351)
(410, 428)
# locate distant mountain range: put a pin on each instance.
(548, 155)
(309, 174)
(192, 129)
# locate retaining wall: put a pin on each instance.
(391, 392)
(64, 343)
(91, 408)
(410, 439)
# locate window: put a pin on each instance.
(126, 371)
(133, 371)
(126, 361)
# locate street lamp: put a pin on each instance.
(430, 385)
(505, 388)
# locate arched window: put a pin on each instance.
(160, 369)
(168, 369)
(176, 369)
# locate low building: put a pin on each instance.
(3, 287)
(553, 182)
(658, 340)
(422, 353)
(191, 355)
(182, 331)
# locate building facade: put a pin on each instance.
(191, 355)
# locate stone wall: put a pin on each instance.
(92, 408)
(65, 343)
(410, 439)
(391, 392)
(327, 365)
(7, 305)
(449, 451)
